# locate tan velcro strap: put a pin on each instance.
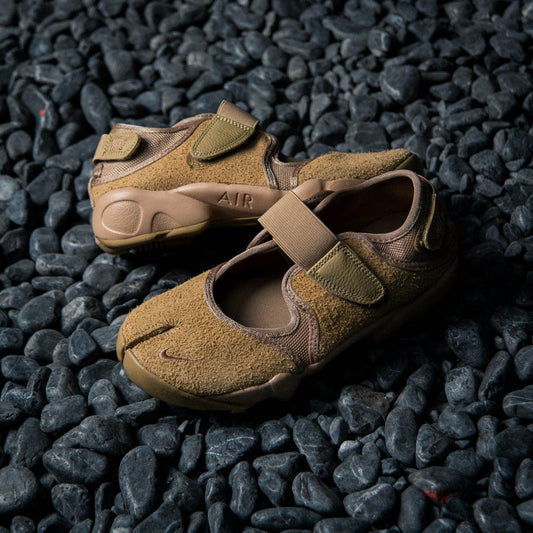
(431, 235)
(228, 129)
(312, 246)
(116, 146)
(434, 230)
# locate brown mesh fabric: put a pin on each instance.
(155, 144)
(303, 343)
(286, 172)
(408, 250)
(297, 344)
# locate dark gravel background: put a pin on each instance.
(435, 435)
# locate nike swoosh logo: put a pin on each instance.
(163, 355)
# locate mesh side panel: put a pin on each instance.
(286, 173)
(298, 343)
(407, 249)
(154, 145)
(402, 249)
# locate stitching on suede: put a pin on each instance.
(105, 148)
(238, 124)
(223, 147)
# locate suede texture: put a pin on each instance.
(244, 165)
(214, 357)
(340, 165)
(339, 319)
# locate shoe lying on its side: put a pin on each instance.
(152, 186)
(364, 261)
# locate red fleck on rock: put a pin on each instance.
(437, 496)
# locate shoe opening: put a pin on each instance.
(381, 207)
(250, 292)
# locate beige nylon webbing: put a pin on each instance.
(298, 231)
(312, 246)
(232, 112)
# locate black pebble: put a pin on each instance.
(492, 514)
(311, 492)
(64, 413)
(314, 445)
(18, 488)
(82, 349)
(401, 83)
(279, 518)
(165, 439)
(95, 107)
(373, 504)
(243, 490)
(226, 446)
(138, 478)
(73, 502)
(76, 465)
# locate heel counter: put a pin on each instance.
(130, 212)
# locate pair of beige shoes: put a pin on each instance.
(353, 245)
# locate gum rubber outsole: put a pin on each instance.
(165, 240)
(281, 386)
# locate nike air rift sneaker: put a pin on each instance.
(153, 186)
(323, 274)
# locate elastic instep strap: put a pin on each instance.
(312, 246)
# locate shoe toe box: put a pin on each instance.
(176, 337)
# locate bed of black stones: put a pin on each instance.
(434, 435)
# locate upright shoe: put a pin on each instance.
(361, 263)
(152, 186)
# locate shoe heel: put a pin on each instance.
(150, 220)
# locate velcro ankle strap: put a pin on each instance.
(312, 246)
(228, 129)
(116, 146)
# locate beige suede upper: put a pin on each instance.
(215, 356)
(338, 318)
(143, 159)
(340, 165)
